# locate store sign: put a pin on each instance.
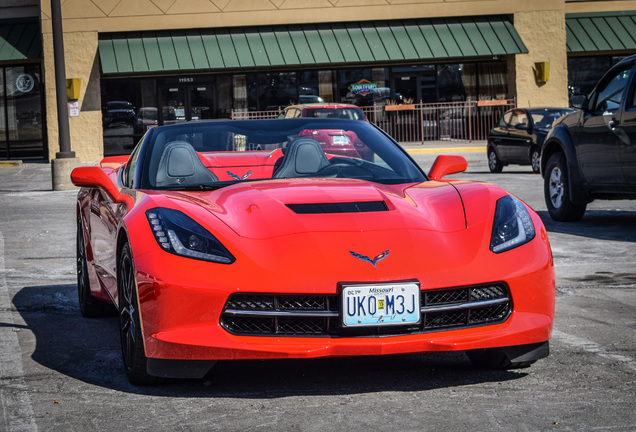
(25, 83)
(363, 87)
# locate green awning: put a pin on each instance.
(601, 32)
(308, 45)
(20, 40)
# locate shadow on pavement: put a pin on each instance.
(88, 350)
(599, 224)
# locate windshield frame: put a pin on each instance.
(396, 159)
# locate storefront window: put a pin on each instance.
(315, 86)
(129, 108)
(271, 91)
(326, 85)
(240, 93)
(224, 96)
(485, 81)
(469, 81)
(585, 72)
(362, 87)
(21, 128)
(493, 81)
(450, 84)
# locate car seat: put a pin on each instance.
(180, 166)
(303, 157)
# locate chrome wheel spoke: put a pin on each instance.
(556, 188)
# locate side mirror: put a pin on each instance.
(94, 176)
(524, 126)
(447, 164)
(579, 101)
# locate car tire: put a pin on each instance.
(556, 190)
(535, 159)
(493, 358)
(132, 347)
(90, 307)
(494, 164)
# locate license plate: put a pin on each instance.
(379, 305)
(340, 139)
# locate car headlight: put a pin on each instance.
(179, 234)
(512, 227)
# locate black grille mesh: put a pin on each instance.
(451, 308)
(301, 303)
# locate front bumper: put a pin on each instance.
(182, 301)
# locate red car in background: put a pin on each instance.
(334, 141)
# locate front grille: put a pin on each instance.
(319, 315)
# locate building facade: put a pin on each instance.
(142, 63)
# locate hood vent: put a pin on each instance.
(339, 207)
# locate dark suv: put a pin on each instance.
(591, 153)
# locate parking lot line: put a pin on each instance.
(471, 149)
(14, 397)
(593, 348)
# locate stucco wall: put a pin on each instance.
(110, 15)
(543, 32)
(81, 62)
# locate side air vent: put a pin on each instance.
(341, 207)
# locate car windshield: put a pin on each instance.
(348, 113)
(209, 155)
(543, 119)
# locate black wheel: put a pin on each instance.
(494, 358)
(132, 346)
(89, 305)
(556, 190)
(494, 164)
(535, 159)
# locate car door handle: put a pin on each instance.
(613, 123)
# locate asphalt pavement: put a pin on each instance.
(59, 371)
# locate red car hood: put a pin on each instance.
(260, 210)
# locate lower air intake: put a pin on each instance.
(319, 315)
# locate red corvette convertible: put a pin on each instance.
(233, 240)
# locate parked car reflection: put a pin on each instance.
(118, 112)
(147, 118)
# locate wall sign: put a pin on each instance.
(25, 83)
(363, 87)
(73, 109)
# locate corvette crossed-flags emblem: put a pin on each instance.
(374, 260)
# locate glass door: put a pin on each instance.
(181, 103)
(172, 100)
(200, 102)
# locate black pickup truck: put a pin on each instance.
(591, 153)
